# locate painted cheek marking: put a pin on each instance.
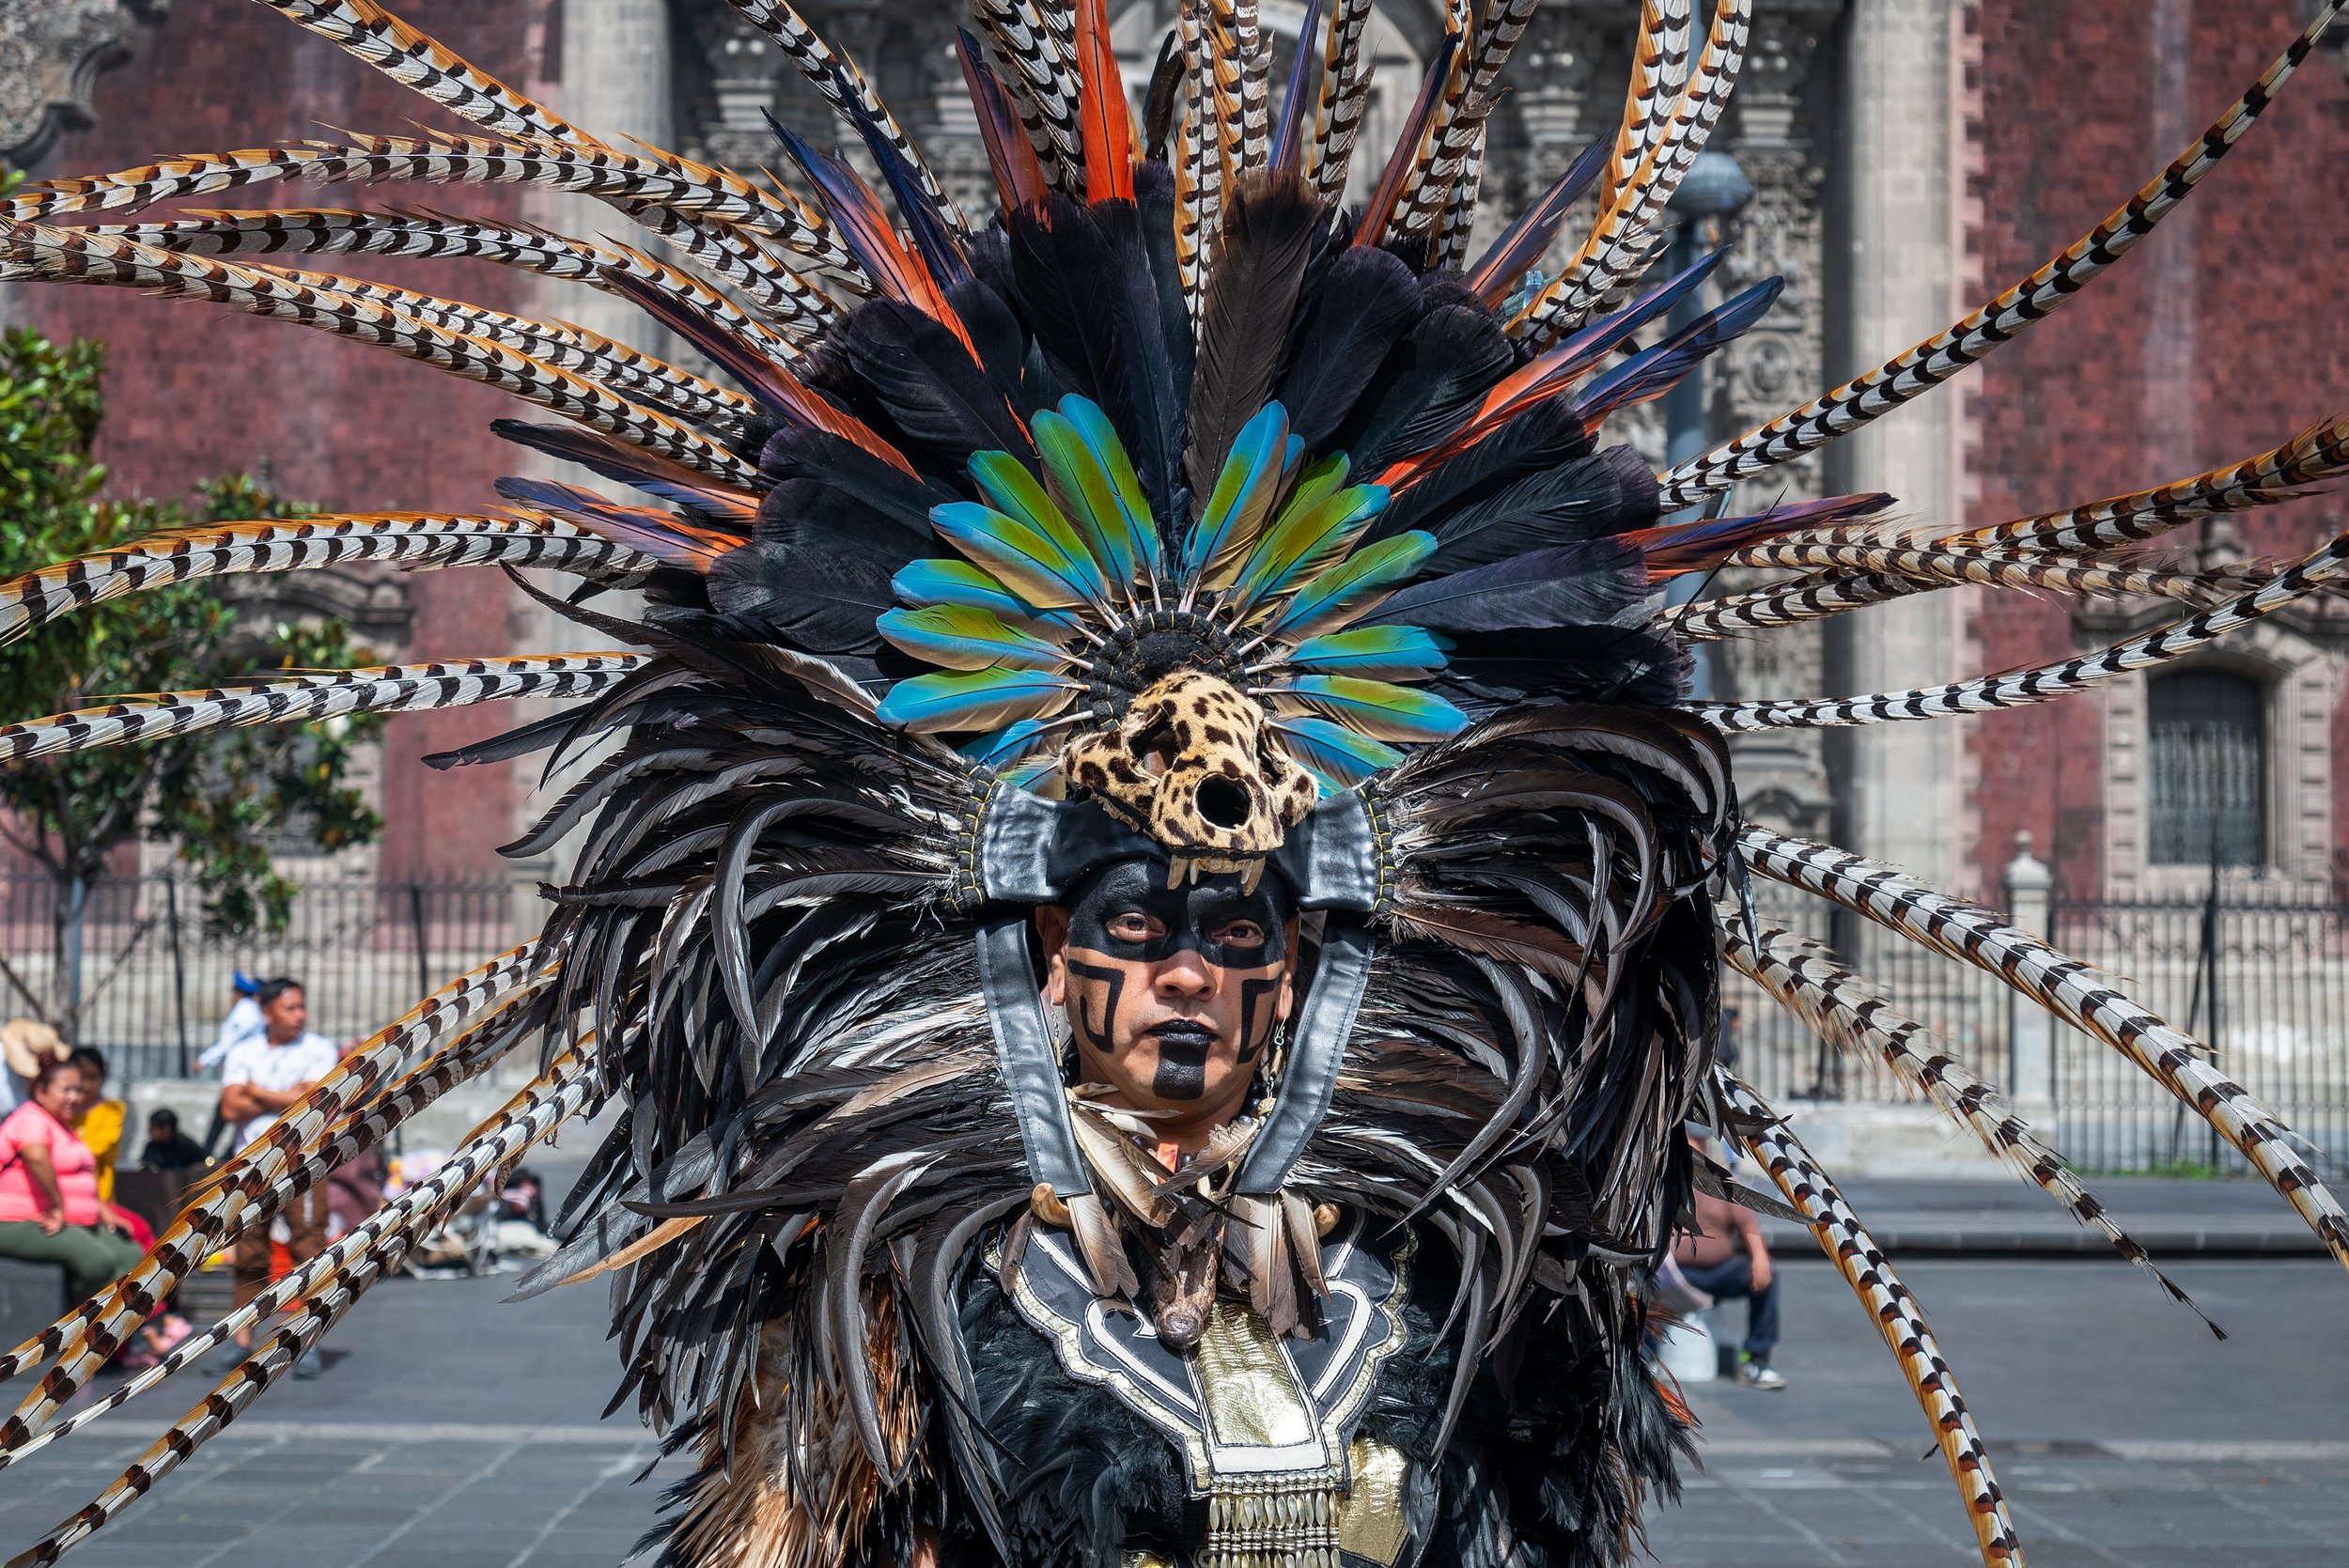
(1253, 994)
(1108, 982)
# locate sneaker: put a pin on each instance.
(221, 1359)
(308, 1364)
(1754, 1373)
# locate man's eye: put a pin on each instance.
(1133, 927)
(1242, 933)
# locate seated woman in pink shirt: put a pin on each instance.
(49, 1206)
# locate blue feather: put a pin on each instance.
(1386, 652)
(1377, 708)
(1319, 524)
(1336, 755)
(1243, 496)
(961, 638)
(946, 581)
(1086, 493)
(1109, 452)
(974, 699)
(1006, 745)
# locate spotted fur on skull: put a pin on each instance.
(1192, 764)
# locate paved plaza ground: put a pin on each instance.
(452, 1432)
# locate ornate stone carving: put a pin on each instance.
(51, 54)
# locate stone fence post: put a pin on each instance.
(2029, 1030)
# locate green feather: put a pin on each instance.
(1381, 652)
(1319, 524)
(1377, 708)
(1013, 491)
(974, 699)
(1044, 571)
(1335, 754)
(1101, 437)
(948, 582)
(962, 638)
(1087, 491)
(1351, 587)
(1243, 496)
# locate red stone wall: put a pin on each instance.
(2109, 395)
(198, 390)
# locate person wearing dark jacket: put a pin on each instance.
(167, 1147)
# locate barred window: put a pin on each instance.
(2206, 755)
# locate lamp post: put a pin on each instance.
(1714, 188)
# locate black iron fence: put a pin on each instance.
(2262, 981)
(156, 984)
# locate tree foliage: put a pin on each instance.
(220, 799)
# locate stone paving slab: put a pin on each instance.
(2011, 1217)
(451, 1431)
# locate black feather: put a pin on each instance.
(1597, 583)
(1158, 114)
(1541, 438)
(1358, 304)
(1567, 663)
(1431, 380)
(1154, 201)
(1260, 251)
(924, 380)
(1082, 280)
(1609, 493)
(817, 574)
(840, 464)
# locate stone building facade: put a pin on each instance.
(1909, 157)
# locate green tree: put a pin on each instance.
(219, 798)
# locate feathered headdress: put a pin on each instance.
(920, 557)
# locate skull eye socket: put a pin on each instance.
(1222, 804)
(1154, 749)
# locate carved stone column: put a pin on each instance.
(1773, 132)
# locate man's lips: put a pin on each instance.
(1184, 1031)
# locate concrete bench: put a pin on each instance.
(31, 1296)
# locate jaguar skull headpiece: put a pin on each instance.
(1192, 764)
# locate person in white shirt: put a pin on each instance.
(262, 1078)
(242, 1023)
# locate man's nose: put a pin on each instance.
(1182, 976)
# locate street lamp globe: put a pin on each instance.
(1714, 187)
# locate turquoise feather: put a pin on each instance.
(960, 582)
(974, 699)
(961, 638)
(1006, 745)
(1049, 572)
(1100, 435)
(1319, 524)
(1338, 756)
(1381, 652)
(1377, 708)
(1351, 587)
(1243, 496)
(1012, 489)
(1085, 496)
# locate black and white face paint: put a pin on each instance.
(1173, 994)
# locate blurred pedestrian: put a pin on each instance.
(354, 1189)
(244, 1022)
(100, 1129)
(1725, 1257)
(167, 1147)
(101, 1125)
(49, 1206)
(262, 1078)
(25, 1045)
